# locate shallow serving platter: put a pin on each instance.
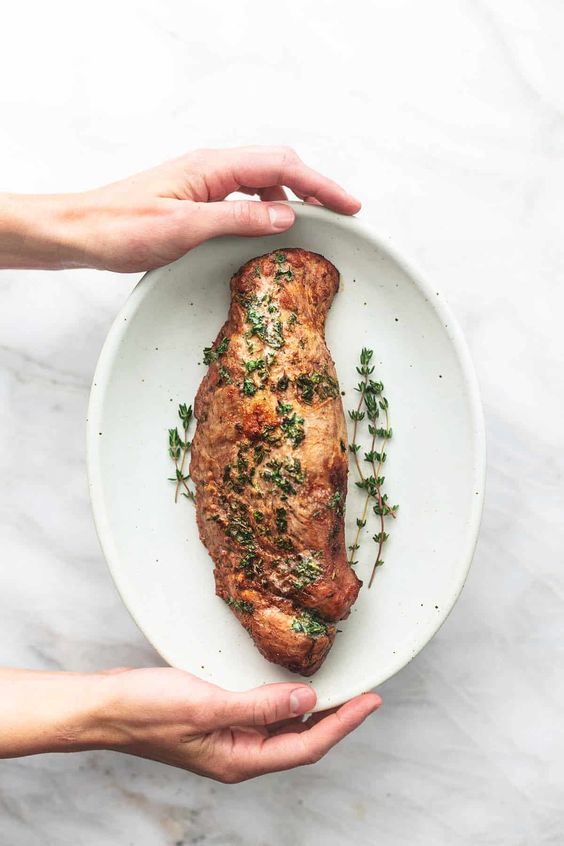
(152, 361)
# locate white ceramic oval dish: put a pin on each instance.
(435, 470)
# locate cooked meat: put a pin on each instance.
(269, 461)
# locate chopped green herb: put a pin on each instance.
(280, 274)
(259, 453)
(238, 475)
(250, 562)
(225, 375)
(211, 354)
(249, 388)
(238, 527)
(260, 366)
(269, 435)
(240, 605)
(254, 364)
(283, 475)
(281, 521)
(262, 324)
(307, 571)
(294, 469)
(283, 407)
(280, 259)
(317, 384)
(310, 624)
(293, 429)
(336, 502)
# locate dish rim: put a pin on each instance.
(101, 380)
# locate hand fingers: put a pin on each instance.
(260, 706)
(237, 217)
(312, 201)
(298, 724)
(272, 193)
(275, 192)
(284, 167)
(261, 167)
(284, 751)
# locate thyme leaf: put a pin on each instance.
(178, 449)
(372, 403)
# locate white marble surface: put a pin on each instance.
(447, 119)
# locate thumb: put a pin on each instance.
(239, 217)
(262, 705)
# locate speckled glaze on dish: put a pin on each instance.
(152, 360)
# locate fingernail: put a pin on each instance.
(281, 217)
(301, 700)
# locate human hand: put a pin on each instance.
(154, 217)
(171, 716)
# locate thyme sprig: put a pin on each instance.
(178, 449)
(371, 405)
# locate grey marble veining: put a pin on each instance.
(447, 119)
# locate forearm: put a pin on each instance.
(50, 712)
(40, 231)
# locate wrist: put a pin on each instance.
(42, 231)
(81, 713)
(106, 721)
(50, 712)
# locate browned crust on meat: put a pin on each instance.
(270, 490)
